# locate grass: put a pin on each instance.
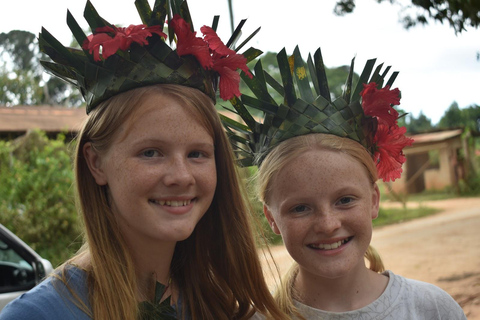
(395, 215)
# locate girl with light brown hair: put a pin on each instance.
(167, 224)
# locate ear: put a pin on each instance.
(271, 221)
(94, 164)
(375, 201)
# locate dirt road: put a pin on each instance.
(443, 249)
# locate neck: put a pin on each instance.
(151, 266)
(152, 259)
(345, 293)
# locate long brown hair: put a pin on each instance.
(216, 269)
(276, 160)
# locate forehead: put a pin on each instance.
(166, 113)
(320, 169)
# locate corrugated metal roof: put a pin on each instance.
(47, 118)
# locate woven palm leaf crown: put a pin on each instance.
(304, 109)
(141, 61)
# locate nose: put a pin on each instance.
(327, 223)
(179, 173)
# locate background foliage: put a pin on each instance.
(22, 78)
(457, 13)
(36, 195)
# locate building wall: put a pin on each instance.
(445, 175)
(439, 179)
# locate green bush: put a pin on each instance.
(394, 215)
(261, 221)
(37, 196)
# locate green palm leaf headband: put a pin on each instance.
(114, 60)
(363, 113)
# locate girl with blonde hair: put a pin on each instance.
(319, 161)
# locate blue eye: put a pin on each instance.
(299, 209)
(195, 154)
(149, 153)
(345, 200)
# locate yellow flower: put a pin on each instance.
(301, 73)
(291, 61)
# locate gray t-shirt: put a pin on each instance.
(402, 299)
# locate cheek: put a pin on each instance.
(291, 231)
(207, 179)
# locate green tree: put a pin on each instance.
(22, 78)
(458, 13)
(455, 117)
(418, 125)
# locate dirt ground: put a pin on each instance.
(443, 249)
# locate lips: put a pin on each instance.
(329, 246)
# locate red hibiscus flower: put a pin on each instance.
(378, 103)
(112, 39)
(226, 62)
(188, 43)
(389, 157)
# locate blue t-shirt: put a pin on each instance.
(51, 299)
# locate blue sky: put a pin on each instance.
(436, 66)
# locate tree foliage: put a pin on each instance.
(458, 13)
(455, 117)
(418, 125)
(22, 78)
(36, 194)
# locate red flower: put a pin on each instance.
(389, 157)
(378, 103)
(112, 39)
(215, 44)
(226, 62)
(188, 43)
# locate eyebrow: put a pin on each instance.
(195, 144)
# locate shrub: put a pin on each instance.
(37, 196)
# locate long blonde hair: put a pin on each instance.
(276, 160)
(216, 269)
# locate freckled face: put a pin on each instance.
(323, 204)
(161, 174)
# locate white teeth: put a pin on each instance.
(172, 203)
(329, 246)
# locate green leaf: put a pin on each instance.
(144, 11)
(156, 310)
(321, 76)
(367, 70)
(57, 51)
(248, 39)
(93, 18)
(159, 13)
(348, 85)
(251, 53)
(236, 34)
(77, 32)
(274, 84)
(287, 79)
(301, 76)
(392, 78)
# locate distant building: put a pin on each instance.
(436, 160)
(16, 121)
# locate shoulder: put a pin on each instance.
(425, 298)
(51, 299)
